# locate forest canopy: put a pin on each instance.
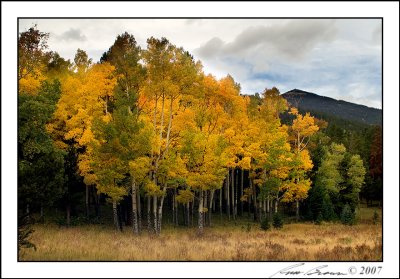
(145, 133)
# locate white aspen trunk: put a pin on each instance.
(115, 214)
(212, 202)
(241, 192)
(233, 193)
(149, 214)
(264, 204)
(201, 213)
(188, 214)
(160, 210)
(139, 210)
(254, 197)
(220, 203)
(228, 208)
(205, 215)
(169, 127)
(161, 123)
(173, 207)
(87, 201)
(297, 210)
(176, 212)
(135, 227)
(155, 224)
(236, 188)
(106, 104)
(41, 213)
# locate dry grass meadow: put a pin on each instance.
(222, 242)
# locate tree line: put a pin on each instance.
(146, 130)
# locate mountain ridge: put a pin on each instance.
(317, 104)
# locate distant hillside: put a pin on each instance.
(320, 105)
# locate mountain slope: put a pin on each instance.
(320, 105)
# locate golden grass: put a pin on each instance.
(223, 242)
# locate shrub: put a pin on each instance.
(376, 217)
(265, 225)
(328, 212)
(319, 219)
(24, 232)
(347, 216)
(277, 221)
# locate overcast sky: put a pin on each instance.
(338, 58)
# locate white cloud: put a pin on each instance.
(72, 35)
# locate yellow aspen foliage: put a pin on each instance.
(294, 191)
(84, 98)
(302, 128)
(184, 196)
(30, 84)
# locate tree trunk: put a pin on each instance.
(27, 209)
(205, 215)
(169, 127)
(201, 213)
(115, 214)
(248, 205)
(264, 208)
(154, 122)
(192, 214)
(297, 210)
(176, 212)
(236, 192)
(276, 205)
(173, 207)
(139, 211)
(68, 215)
(96, 203)
(253, 187)
(233, 193)
(220, 203)
(188, 214)
(228, 208)
(211, 201)
(160, 210)
(241, 192)
(268, 205)
(149, 227)
(120, 214)
(41, 213)
(135, 226)
(213, 207)
(161, 125)
(155, 224)
(87, 201)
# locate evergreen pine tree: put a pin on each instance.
(277, 221)
(265, 225)
(319, 219)
(347, 216)
(328, 212)
(376, 217)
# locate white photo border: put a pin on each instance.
(12, 10)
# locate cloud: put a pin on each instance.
(72, 35)
(292, 40)
(211, 48)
